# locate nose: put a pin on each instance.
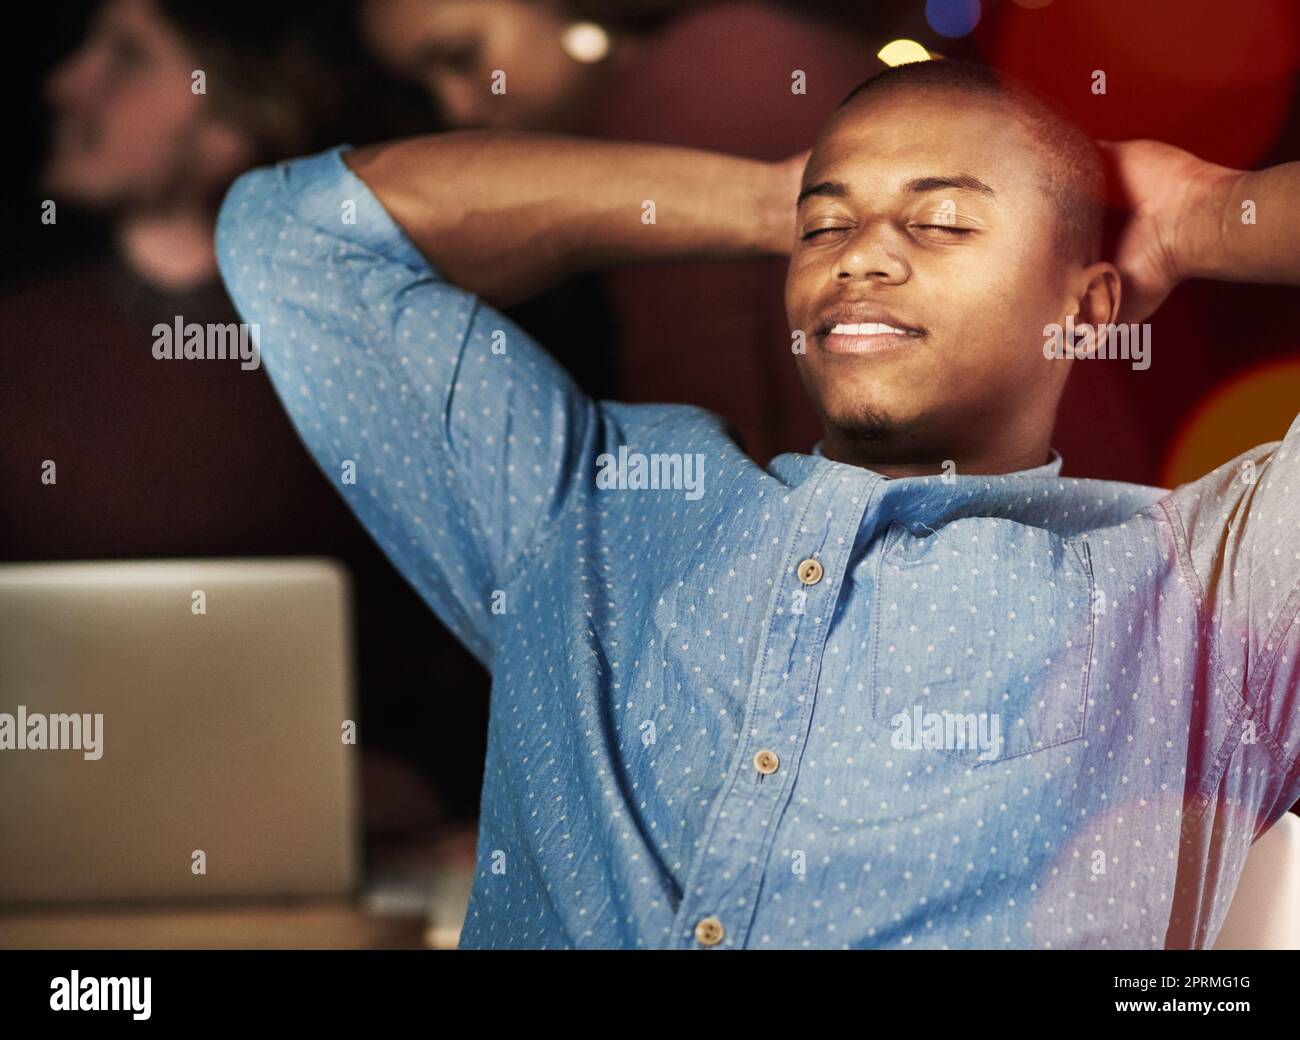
(870, 253)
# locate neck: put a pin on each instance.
(171, 250)
(969, 460)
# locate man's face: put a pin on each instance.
(127, 125)
(928, 217)
(452, 48)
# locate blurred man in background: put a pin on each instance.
(158, 109)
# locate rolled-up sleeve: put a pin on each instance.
(455, 438)
(1239, 534)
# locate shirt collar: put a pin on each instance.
(1050, 468)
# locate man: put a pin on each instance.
(911, 690)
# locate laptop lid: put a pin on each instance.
(174, 730)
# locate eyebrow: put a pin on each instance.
(918, 185)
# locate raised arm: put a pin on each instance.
(1189, 218)
(504, 214)
(1237, 529)
(1255, 235)
(453, 435)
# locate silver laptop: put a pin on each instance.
(176, 730)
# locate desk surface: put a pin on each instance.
(323, 925)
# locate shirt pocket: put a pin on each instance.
(982, 639)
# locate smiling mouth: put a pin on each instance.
(867, 337)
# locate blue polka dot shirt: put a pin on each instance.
(795, 706)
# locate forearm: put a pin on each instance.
(505, 213)
(1230, 246)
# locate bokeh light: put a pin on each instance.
(900, 52)
(586, 42)
(952, 17)
(1255, 407)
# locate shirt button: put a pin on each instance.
(810, 572)
(708, 931)
(766, 762)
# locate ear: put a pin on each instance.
(1094, 297)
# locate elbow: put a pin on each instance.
(248, 216)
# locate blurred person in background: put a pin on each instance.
(752, 79)
(162, 459)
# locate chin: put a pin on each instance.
(861, 425)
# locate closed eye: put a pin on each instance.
(950, 228)
(820, 231)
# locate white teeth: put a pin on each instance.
(868, 328)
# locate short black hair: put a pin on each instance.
(1073, 168)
